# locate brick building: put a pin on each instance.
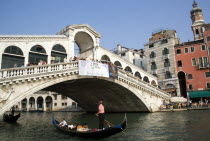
(192, 59)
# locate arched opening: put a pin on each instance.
(170, 88)
(40, 104)
(24, 104)
(146, 79)
(31, 103)
(153, 83)
(182, 83)
(12, 57)
(58, 54)
(36, 54)
(137, 74)
(49, 103)
(105, 59)
(152, 55)
(83, 42)
(128, 69)
(118, 64)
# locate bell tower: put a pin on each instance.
(197, 21)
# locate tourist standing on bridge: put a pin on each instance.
(101, 114)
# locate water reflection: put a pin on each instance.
(164, 126)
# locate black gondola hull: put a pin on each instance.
(95, 134)
(11, 118)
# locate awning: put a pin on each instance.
(178, 99)
(170, 90)
(197, 94)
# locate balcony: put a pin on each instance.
(203, 66)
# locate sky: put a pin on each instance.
(129, 23)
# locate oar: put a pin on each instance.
(109, 123)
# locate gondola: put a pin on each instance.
(10, 118)
(92, 133)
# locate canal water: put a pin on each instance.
(160, 126)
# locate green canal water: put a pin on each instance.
(160, 126)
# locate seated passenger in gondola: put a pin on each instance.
(70, 126)
(63, 123)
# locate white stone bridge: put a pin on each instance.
(133, 91)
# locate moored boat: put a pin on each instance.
(10, 118)
(92, 133)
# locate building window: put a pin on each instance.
(65, 103)
(55, 97)
(164, 41)
(153, 66)
(168, 75)
(165, 51)
(123, 54)
(190, 87)
(203, 47)
(62, 104)
(166, 63)
(189, 76)
(178, 51)
(207, 74)
(186, 50)
(151, 45)
(192, 49)
(203, 62)
(208, 39)
(179, 63)
(193, 62)
(152, 55)
(208, 85)
(55, 104)
(209, 50)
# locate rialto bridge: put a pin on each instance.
(134, 90)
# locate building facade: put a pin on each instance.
(192, 59)
(160, 58)
(46, 101)
(133, 56)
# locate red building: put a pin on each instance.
(193, 60)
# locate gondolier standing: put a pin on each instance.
(101, 114)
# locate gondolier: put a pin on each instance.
(101, 114)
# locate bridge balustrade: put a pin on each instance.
(31, 70)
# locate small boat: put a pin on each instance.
(10, 118)
(92, 133)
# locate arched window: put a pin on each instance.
(38, 49)
(105, 59)
(137, 74)
(58, 54)
(167, 63)
(118, 64)
(152, 55)
(146, 79)
(153, 66)
(128, 69)
(153, 83)
(36, 54)
(12, 57)
(165, 51)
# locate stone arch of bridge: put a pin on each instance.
(88, 90)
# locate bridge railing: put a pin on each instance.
(31, 70)
(142, 83)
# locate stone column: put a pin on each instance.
(27, 104)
